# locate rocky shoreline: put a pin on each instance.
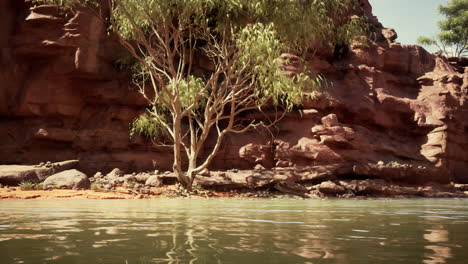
(62, 180)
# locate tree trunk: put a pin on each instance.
(177, 166)
(191, 170)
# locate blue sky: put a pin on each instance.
(410, 18)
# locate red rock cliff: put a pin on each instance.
(61, 98)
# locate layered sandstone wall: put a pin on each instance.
(61, 98)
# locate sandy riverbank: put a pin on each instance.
(15, 193)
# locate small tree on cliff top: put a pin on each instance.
(453, 37)
(242, 40)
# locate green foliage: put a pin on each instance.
(300, 25)
(61, 3)
(144, 125)
(425, 41)
(453, 37)
(67, 5)
(356, 29)
(188, 88)
(26, 185)
(260, 47)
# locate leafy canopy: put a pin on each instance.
(453, 37)
(261, 29)
(300, 24)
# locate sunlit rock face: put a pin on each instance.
(61, 98)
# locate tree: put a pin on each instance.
(453, 37)
(242, 41)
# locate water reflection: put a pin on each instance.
(437, 235)
(216, 231)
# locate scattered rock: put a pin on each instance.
(259, 167)
(115, 173)
(402, 173)
(153, 181)
(128, 178)
(142, 177)
(330, 120)
(461, 187)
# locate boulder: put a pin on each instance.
(70, 179)
(142, 177)
(331, 188)
(389, 34)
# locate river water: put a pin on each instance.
(234, 231)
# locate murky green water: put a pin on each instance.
(234, 231)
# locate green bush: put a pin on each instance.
(27, 185)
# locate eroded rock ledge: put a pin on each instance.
(338, 180)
